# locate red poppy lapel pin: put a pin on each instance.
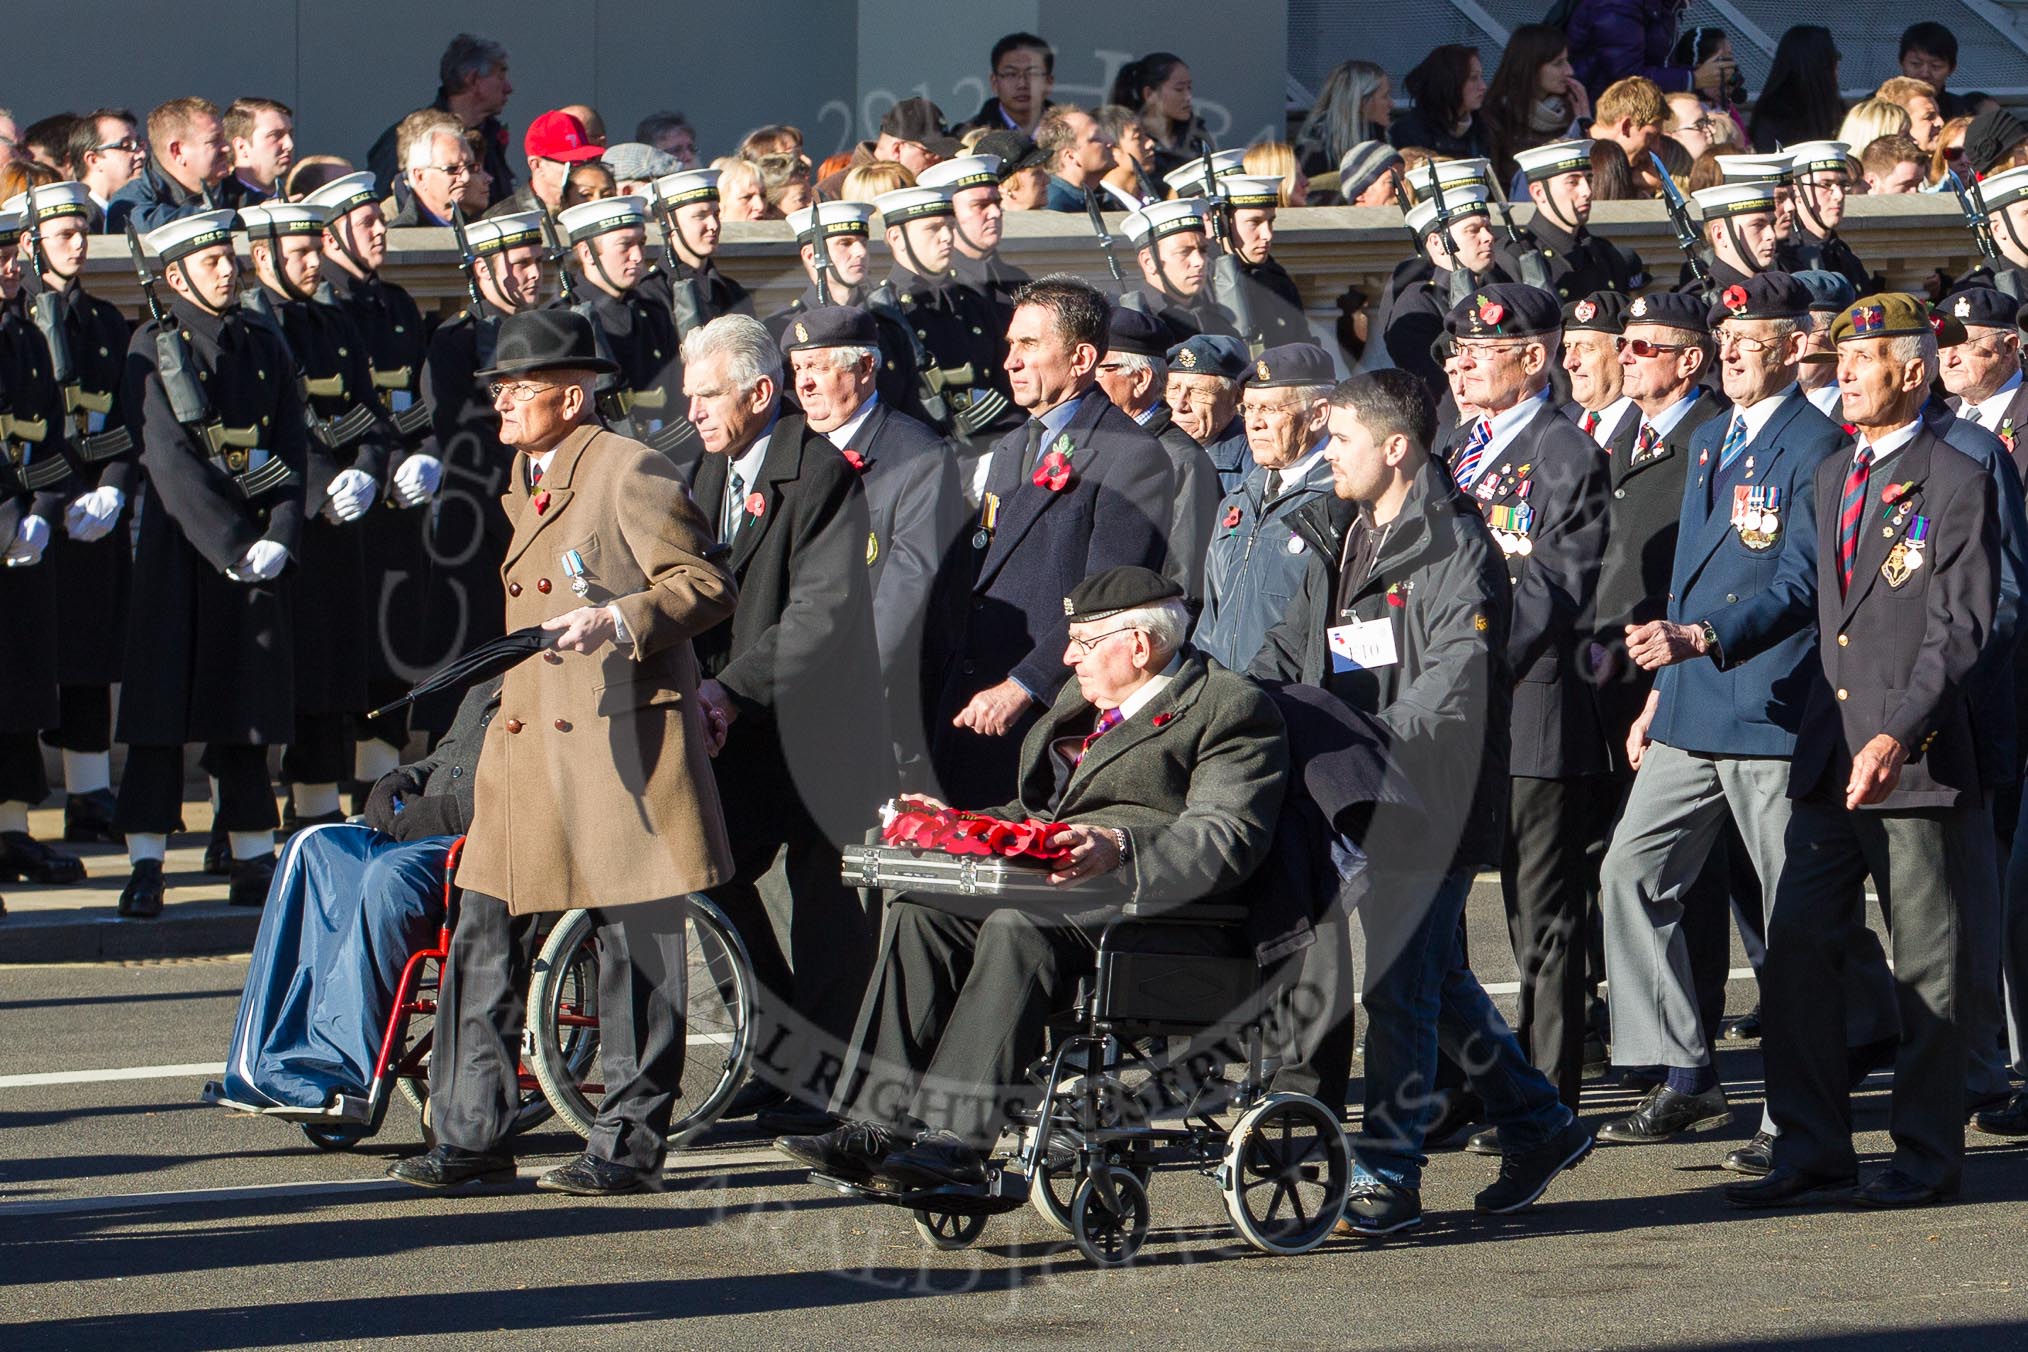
(1053, 473)
(756, 505)
(1162, 719)
(1232, 516)
(854, 459)
(541, 501)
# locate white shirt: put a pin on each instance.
(1609, 419)
(1890, 445)
(843, 435)
(1506, 425)
(1297, 472)
(1993, 410)
(746, 467)
(1758, 416)
(1825, 399)
(1138, 701)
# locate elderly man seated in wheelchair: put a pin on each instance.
(1168, 772)
(348, 904)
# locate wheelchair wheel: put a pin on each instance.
(1053, 1187)
(535, 1109)
(948, 1230)
(719, 998)
(1109, 1216)
(336, 1138)
(1286, 1171)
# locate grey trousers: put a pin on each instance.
(475, 1089)
(1674, 815)
(1925, 865)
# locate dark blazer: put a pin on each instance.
(1806, 252)
(798, 656)
(209, 659)
(1194, 506)
(1194, 778)
(1747, 699)
(1115, 510)
(1900, 659)
(436, 791)
(1557, 472)
(2012, 429)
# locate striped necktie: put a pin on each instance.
(1735, 442)
(1466, 467)
(1108, 719)
(734, 510)
(1849, 513)
(1644, 445)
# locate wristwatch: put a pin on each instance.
(1710, 637)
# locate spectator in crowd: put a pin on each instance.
(10, 138)
(1366, 174)
(1995, 141)
(1612, 39)
(1023, 74)
(672, 134)
(1917, 98)
(1869, 120)
(1354, 107)
(1277, 159)
(1800, 100)
(1630, 116)
(477, 196)
(1445, 93)
(1024, 170)
(1158, 87)
(188, 158)
(1705, 172)
(552, 144)
(785, 184)
(1533, 98)
(774, 139)
(311, 173)
(913, 135)
(436, 164)
(106, 153)
(1929, 52)
(636, 165)
(1707, 42)
(1676, 161)
(588, 181)
(1949, 154)
(740, 197)
(1691, 125)
(262, 134)
(1612, 178)
(472, 85)
(588, 118)
(47, 141)
(1131, 180)
(1891, 165)
(868, 181)
(1080, 155)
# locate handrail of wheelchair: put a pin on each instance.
(410, 970)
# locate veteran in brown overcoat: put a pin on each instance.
(594, 785)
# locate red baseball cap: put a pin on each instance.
(559, 136)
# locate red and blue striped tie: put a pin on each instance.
(1849, 514)
(1108, 719)
(1466, 468)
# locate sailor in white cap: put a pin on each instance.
(962, 386)
(835, 234)
(223, 441)
(644, 400)
(1249, 203)
(1457, 256)
(2005, 195)
(1739, 229)
(1822, 174)
(685, 204)
(1578, 262)
(351, 441)
(1775, 169)
(1169, 240)
(977, 225)
(90, 555)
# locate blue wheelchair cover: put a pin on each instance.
(347, 908)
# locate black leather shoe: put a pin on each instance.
(1376, 1210)
(1485, 1142)
(1790, 1187)
(1891, 1189)
(794, 1119)
(1745, 1028)
(752, 1097)
(446, 1166)
(1666, 1114)
(1863, 1061)
(1639, 1080)
(1755, 1158)
(850, 1151)
(22, 856)
(1526, 1174)
(2011, 1120)
(141, 898)
(88, 819)
(251, 879)
(217, 854)
(1461, 1111)
(590, 1176)
(1985, 1103)
(938, 1159)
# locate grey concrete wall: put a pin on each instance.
(350, 69)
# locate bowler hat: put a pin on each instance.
(546, 340)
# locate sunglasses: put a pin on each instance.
(1641, 347)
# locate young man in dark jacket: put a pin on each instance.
(1405, 617)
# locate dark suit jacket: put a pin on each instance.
(1557, 472)
(798, 655)
(2012, 429)
(1747, 699)
(1194, 506)
(1115, 510)
(1900, 660)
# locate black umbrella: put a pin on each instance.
(495, 656)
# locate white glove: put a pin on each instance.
(31, 537)
(350, 494)
(263, 563)
(91, 517)
(416, 479)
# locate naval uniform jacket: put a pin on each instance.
(1898, 649)
(1831, 253)
(28, 595)
(209, 659)
(963, 336)
(640, 333)
(1545, 501)
(1755, 586)
(1417, 301)
(1195, 505)
(1578, 264)
(1276, 304)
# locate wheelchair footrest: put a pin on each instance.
(1004, 1190)
(342, 1110)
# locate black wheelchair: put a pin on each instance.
(1135, 1081)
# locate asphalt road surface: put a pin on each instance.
(134, 1217)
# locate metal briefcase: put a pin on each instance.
(993, 882)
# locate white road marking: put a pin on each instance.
(49, 1077)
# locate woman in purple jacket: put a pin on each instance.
(1612, 39)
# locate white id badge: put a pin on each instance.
(400, 401)
(1362, 645)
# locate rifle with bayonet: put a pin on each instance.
(1130, 296)
(483, 329)
(686, 304)
(1972, 202)
(48, 468)
(820, 251)
(1228, 279)
(1534, 268)
(1462, 283)
(1687, 238)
